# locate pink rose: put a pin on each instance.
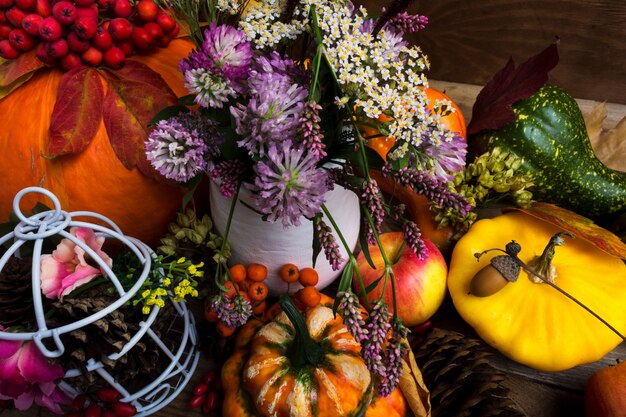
(66, 268)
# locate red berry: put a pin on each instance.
(114, 58)
(65, 12)
(5, 30)
(84, 3)
(108, 394)
(175, 31)
(77, 44)
(74, 413)
(126, 46)
(120, 29)
(200, 389)
(85, 27)
(3, 17)
(92, 57)
(210, 377)
(58, 48)
(141, 38)
(43, 8)
(105, 4)
(196, 401)
(93, 410)
(166, 22)
(21, 40)
(108, 413)
(102, 39)
(31, 24)
(50, 29)
(122, 8)
(7, 51)
(211, 403)
(165, 40)
(5, 4)
(89, 11)
(147, 11)
(78, 402)
(26, 5)
(71, 60)
(124, 409)
(43, 55)
(154, 30)
(15, 16)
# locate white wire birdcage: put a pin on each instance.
(182, 358)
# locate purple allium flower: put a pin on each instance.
(350, 311)
(377, 325)
(406, 23)
(233, 313)
(447, 154)
(312, 134)
(394, 353)
(413, 237)
(329, 244)
(288, 185)
(431, 187)
(274, 108)
(372, 199)
(176, 148)
(228, 173)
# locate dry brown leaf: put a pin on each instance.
(608, 144)
(413, 387)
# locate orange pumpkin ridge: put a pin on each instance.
(93, 180)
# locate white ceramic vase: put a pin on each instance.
(253, 240)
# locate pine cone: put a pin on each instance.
(16, 295)
(462, 383)
(142, 364)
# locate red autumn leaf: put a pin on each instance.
(579, 226)
(13, 69)
(77, 111)
(136, 94)
(493, 106)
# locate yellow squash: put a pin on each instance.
(533, 323)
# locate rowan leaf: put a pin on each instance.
(493, 106)
(413, 386)
(136, 94)
(77, 112)
(13, 70)
(579, 226)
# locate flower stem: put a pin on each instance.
(220, 264)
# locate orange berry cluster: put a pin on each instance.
(307, 277)
(247, 282)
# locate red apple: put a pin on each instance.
(420, 284)
(605, 392)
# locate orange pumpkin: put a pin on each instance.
(93, 179)
(417, 206)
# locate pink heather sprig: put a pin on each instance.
(373, 201)
(350, 311)
(311, 131)
(233, 313)
(404, 22)
(377, 326)
(394, 353)
(228, 172)
(413, 237)
(431, 187)
(329, 244)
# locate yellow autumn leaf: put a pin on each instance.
(413, 387)
(608, 144)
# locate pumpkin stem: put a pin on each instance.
(304, 350)
(542, 265)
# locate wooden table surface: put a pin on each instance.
(539, 394)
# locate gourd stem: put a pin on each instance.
(542, 263)
(304, 350)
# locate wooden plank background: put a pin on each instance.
(468, 41)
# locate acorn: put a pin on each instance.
(500, 271)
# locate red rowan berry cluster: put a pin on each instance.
(106, 404)
(69, 33)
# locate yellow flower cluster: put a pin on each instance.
(152, 297)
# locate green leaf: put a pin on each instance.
(191, 186)
(77, 112)
(317, 246)
(365, 250)
(187, 100)
(373, 284)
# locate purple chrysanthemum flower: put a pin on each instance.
(350, 311)
(447, 154)
(177, 149)
(413, 237)
(377, 325)
(272, 113)
(288, 185)
(233, 313)
(329, 244)
(394, 353)
(312, 134)
(228, 173)
(217, 71)
(372, 200)
(430, 186)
